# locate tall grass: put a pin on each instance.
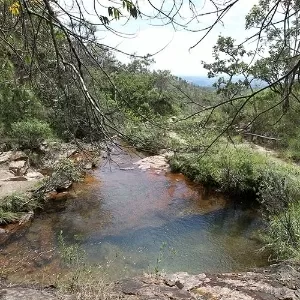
(83, 281)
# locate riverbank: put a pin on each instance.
(29, 179)
(277, 282)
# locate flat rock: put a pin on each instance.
(277, 282)
(158, 162)
(34, 175)
(18, 167)
(9, 187)
(5, 157)
(5, 174)
(18, 155)
(24, 293)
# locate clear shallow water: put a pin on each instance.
(135, 221)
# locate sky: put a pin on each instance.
(173, 46)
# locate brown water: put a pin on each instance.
(134, 221)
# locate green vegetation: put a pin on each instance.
(30, 133)
(82, 280)
(13, 207)
(68, 85)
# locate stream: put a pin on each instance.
(131, 221)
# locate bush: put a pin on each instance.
(14, 206)
(279, 194)
(277, 190)
(233, 170)
(30, 133)
(146, 137)
(243, 170)
(283, 232)
(65, 172)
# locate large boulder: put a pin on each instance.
(18, 155)
(18, 167)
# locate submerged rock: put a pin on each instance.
(158, 162)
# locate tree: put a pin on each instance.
(43, 37)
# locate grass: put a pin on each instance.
(283, 232)
(83, 281)
(86, 283)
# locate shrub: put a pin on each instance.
(145, 137)
(30, 133)
(65, 172)
(283, 232)
(14, 206)
(234, 170)
(278, 189)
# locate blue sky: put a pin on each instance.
(176, 57)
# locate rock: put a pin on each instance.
(96, 162)
(148, 290)
(2, 231)
(5, 157)
(24, 293)
(10, 187)
(278, 282)
(44, 147)
(18, 167)
(5, 174)
(34, 175)
(127, 169)
(18, 155)
(26, 218)
(63, 185)
(59, 196)
(88, 166)
(153, 162)
(16, 178)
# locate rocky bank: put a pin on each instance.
(277, 282)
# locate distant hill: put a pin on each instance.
(199, 80)
(203, 81)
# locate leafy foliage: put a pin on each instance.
(30, 133)
(14, 206)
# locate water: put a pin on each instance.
(136, 221)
